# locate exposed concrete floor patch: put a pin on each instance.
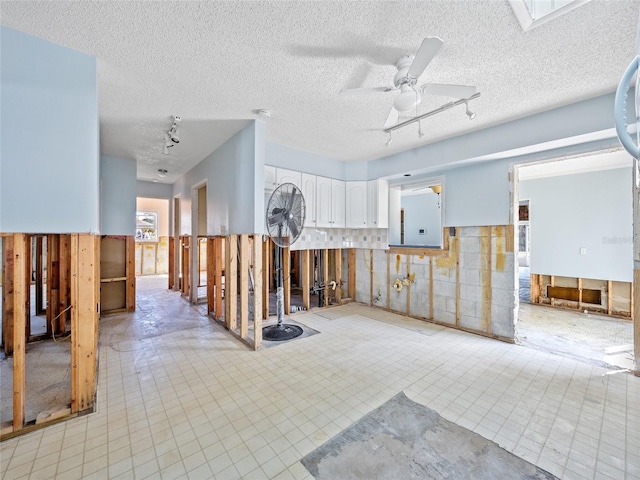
(402, 440)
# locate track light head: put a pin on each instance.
(420, 132)
(174, 136)
(469, 113)
(388, 142)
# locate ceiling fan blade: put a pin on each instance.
(429, 48)
(457, 91)
(366, 91)
(293, 227)
(393, 118)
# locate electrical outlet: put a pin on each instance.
(583, 251)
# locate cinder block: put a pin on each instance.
(468, 307)
(469, 276)
(469, 231)
(471, 321)
(503, 298)
(419, 304)
(503, 321)
(398, 300)
(503, 280)
(451, 305)
(471, 292)
(447, 289)
(420, 260)
(439, 303)
(470, 245)
(444, 316)
(471, 260)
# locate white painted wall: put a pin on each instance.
(118, 188)
(587, 210)
(421, 211)
(235, 185)
(282, 156)
(395, 204)
(49, 161)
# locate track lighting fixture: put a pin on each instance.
(174, 135)
(444, 107)
(388, 142)
(469, 113)
(167, 144)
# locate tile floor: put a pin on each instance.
(195, 403)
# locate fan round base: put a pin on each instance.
(279, 333)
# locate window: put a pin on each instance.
(147, 226)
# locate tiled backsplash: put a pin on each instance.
(317, 238)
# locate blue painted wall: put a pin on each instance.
(49, 154)
(118, 190)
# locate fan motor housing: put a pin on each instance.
(402, 77)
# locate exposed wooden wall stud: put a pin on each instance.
(257, 291)
(19, 315)
(244, 257)
(306, 301)
(231, 282)
(338, 279)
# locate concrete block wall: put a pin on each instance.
(472, 285)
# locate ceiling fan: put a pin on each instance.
(409, 70)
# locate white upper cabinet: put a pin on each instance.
(323, 202)
(338, 196)
(308, 188)
(270, 178)
(377, 204)
(356, 204)
(288, 176)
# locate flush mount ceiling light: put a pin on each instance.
(264, 114)
(162, 172)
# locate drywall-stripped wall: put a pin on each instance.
(422, 212)
(587, 210)
(49, 154)
(117, 196)
(234, 175)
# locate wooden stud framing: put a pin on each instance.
(306, 301)
(388, 281)
(266, 276)
(609, 297)
(579, 293)
(325, 275)
(244, 257)
(457, 254)
(286, 272)
(20, 294)
(7, 294)
(53, 278)
(27, 286)
(130, 288)
(257, 291)
(218, 243)
(636, 320)
(487, 298)
(231, 282)
(64, 282)
(351, 280)
(534, 291)
(172, 263)
(211, 278)
(338, 279)
(84, 320)
(430, 288)
(185, 242)
(370, 276)
(408, 286)
(39, 275)
(553, 284)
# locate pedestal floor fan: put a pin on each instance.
(285, 219)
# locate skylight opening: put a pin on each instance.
(533, 13)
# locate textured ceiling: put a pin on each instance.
(216, 63)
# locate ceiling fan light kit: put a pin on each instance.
(405, 80)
